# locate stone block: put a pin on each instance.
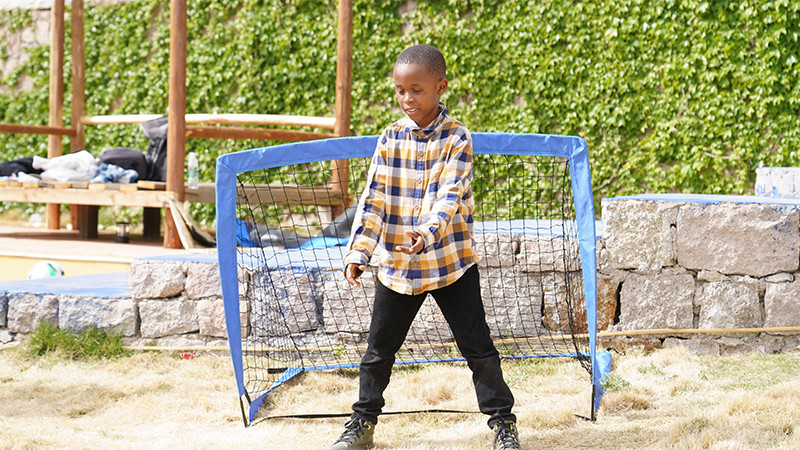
(773, 343)
(608, 287)
(346, 309)
(744, 239)
(725, 304)
(639, 234)
(547, 254)
(496, 250)
(602, 256)
(780, 278)
(183, 340)
(117, 315)
(564, 302)
(167, 317)
(27, 311)
(41, 27)
(202, 281)
(3, 309)
(512, 301)
(782, 304)
(702, 346)
(156, 279)
(656, 301)
(710, 276)
(244, 316)
(5, 337)
(737, 345)
(245, 286)
(429, 326)
(283, 302)
(211, 317)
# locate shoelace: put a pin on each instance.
(508, 437)
(354, 430)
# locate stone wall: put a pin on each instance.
(163, 303)
(664, 262)
(702, 262)
(169, 302)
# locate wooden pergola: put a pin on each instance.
(181, 126)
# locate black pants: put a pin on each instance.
(462, 307)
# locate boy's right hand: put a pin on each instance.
(352, 272)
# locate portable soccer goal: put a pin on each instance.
(282, 231)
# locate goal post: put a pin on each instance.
(289, 310)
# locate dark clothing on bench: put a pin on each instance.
(16, 166)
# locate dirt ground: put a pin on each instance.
(666, 399)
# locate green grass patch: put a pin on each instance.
(753, 371)
(613, 382)
(651, 369)
(91, 343)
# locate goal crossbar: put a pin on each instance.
(233, 262)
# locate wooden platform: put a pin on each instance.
(22, 247)
(149, 194)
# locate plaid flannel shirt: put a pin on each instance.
(419, 180)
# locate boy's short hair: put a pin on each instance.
(426, 55)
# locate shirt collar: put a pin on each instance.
(431, 127)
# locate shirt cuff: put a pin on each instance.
(355, 257)
(428, 237)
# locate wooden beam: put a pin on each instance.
(176, 131)
(272, 194)
(152, 199)
(326, 123)
(119, 119)
(280, 194)
(56, 116)
(196, 132)
(13, 128)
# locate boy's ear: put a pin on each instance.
(442, 86)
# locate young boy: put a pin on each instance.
(417, 210)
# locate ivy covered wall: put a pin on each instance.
(671, 96)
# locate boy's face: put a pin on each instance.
(418, 92)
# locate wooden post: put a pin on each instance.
(340, 175)
(344, 68)
(55, 119)
(77, 142)
(176, 131)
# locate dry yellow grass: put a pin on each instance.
(666, 399)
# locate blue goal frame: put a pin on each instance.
(230, 165)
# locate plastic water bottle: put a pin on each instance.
(191, 171)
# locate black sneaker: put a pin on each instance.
(357, 435)
(505, 436)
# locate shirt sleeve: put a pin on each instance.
(369, 219)
(456, 179)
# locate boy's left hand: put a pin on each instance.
(416, 244)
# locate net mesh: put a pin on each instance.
(297, 310)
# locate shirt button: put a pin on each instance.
(416, 207)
